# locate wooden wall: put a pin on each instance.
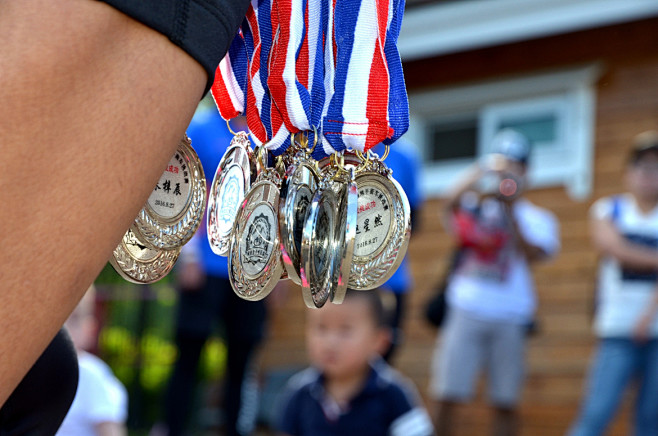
(627, 103)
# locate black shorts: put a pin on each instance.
(203, 28)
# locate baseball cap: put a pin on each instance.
(512, 145)
(644, 143)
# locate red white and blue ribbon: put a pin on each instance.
(398, 103)
(297, 69)
(357, 116)
(230, 85)
(328, 64)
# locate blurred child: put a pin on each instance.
(101, 402)
(350, 390)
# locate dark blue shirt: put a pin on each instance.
(388, 404)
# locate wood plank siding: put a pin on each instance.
(626, 103)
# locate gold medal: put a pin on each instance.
(175, 208)
(383, 226)
(138, 263)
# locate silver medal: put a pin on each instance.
(254, 260)
(318, 248)
(174, 209)
(347, 192)
(383, 226)
(230, 184)
(297, 190)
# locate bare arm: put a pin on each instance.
(609, 241)
(92, 107)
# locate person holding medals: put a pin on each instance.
(98, 96)
(95, 98)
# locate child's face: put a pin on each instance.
(642, 176)
(342, 338)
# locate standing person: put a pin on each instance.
(100, 406)
(625, 231)
(350, 390)
(403, 160)
(206, 296)
(490, 294)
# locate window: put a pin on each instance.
(454, 127)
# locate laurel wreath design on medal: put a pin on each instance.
(140, 271)
(171, 234)
(375, 271)
(256, 287)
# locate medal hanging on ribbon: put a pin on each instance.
(254, 260)
(300, 79)
(298, 187)
(234, 174)
(383, 225)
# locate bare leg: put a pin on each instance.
(506, 422)
(92, 106)
(443, 417)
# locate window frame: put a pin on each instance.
(570, 94)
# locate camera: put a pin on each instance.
(503, 185)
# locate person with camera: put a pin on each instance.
(490, 293)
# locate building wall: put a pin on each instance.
(627, 103)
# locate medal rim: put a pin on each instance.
(220, 242)
(345, 247)
(309, 235)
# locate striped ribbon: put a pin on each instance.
(357, 116)
(332, 64)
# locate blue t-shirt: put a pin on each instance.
(405, 163)
(387, 405)
(210, 139)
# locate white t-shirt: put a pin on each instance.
(623, 295)
(499, 285)
(100, 398)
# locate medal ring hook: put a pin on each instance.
(228, 124)
(364, 160)
(261, 158)
(315, 142)
(386, 151)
